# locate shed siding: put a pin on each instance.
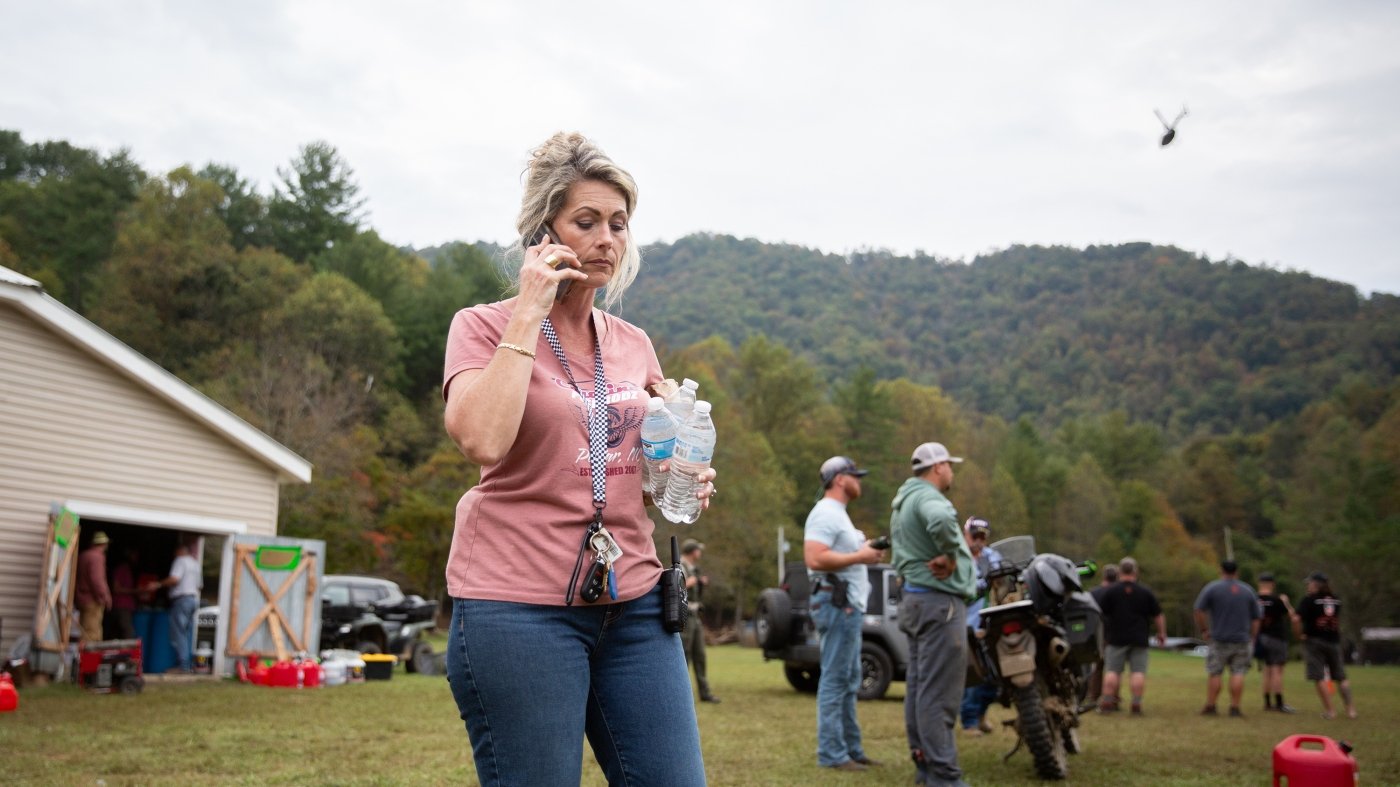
(74, 428)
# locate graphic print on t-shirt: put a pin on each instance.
(626, 408)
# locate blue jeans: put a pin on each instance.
(531, 680)
(182, 611)
(838, 733)
(975, 701)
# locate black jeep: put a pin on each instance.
(372, 615)
(785, 631)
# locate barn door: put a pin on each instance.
(269, 601)
(54, 618)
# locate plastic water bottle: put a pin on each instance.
(658, 441)
(695, 447)
(682, 402)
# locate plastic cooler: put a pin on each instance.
(379, 666)
(1313, 761)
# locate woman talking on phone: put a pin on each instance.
(557, 620)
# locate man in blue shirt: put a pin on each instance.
(836, 554)
(1233, 610)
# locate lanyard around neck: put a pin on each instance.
(597, 412)
(597, 441)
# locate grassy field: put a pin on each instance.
(406, 731)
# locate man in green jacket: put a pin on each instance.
(939, 574)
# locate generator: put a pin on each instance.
(112, 666)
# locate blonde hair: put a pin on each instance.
(554, 167)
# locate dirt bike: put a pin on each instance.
(1040, 638)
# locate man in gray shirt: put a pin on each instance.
(1233, 612)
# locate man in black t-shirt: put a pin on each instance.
(1271, 646)
(1318, 624)
(1110, 576)
(1129, 610)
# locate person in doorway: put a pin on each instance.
(1227, 614)
(977, 699)
(1271, 647)
(1110, 575)
(553, 572)
(836, 554)
(694, 635)
(939, 574)
(91, 595)
(1130, 609)
(1318, 624)
(184, 583)
(125, 592)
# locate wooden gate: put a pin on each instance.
(269, 597)
(53, 620)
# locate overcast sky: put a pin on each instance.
(951, 128)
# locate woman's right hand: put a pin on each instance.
(547, 265)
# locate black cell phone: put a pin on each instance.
(880, 542)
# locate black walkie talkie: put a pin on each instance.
(674, 609)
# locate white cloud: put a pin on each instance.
(830, 124)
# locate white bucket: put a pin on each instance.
(337, 672)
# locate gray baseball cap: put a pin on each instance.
(930, 454)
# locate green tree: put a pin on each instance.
(316, 205)
(59, 209)
(242, 209)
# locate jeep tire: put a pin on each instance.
(773, 619)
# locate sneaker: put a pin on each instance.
(1136, 709)
(973, 732)
(1108, 705)
(848, 765)
(1236, 712)
(710, 698)
(1286, 709)
(1209, 710)
(866, 761)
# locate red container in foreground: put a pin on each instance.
(1313, 761)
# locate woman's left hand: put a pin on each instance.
(706, 490)
(706, 487)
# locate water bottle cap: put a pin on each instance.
(689, 383)
(702, 406)
(655, 403)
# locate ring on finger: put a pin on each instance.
(552, 260)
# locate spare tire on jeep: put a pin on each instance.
(773, 619)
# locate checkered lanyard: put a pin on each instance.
(596, 537)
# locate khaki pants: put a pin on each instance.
(90, 621)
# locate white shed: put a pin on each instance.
(91, 425)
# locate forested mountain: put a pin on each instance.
(1132, 399)
(1052, 332)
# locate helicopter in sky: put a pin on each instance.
(1170, 127)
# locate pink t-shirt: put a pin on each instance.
(518, 531)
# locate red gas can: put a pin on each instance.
(9, 698)
(1313, 761)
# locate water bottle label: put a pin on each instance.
(658, 449)
(690, 452)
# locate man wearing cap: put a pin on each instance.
(1130, 610)
(976, 699)
(1271, 647)
(836, 554)
(91, 594)
(693, 638)
(939, 574)
(1318, 624)
(1233, 612)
